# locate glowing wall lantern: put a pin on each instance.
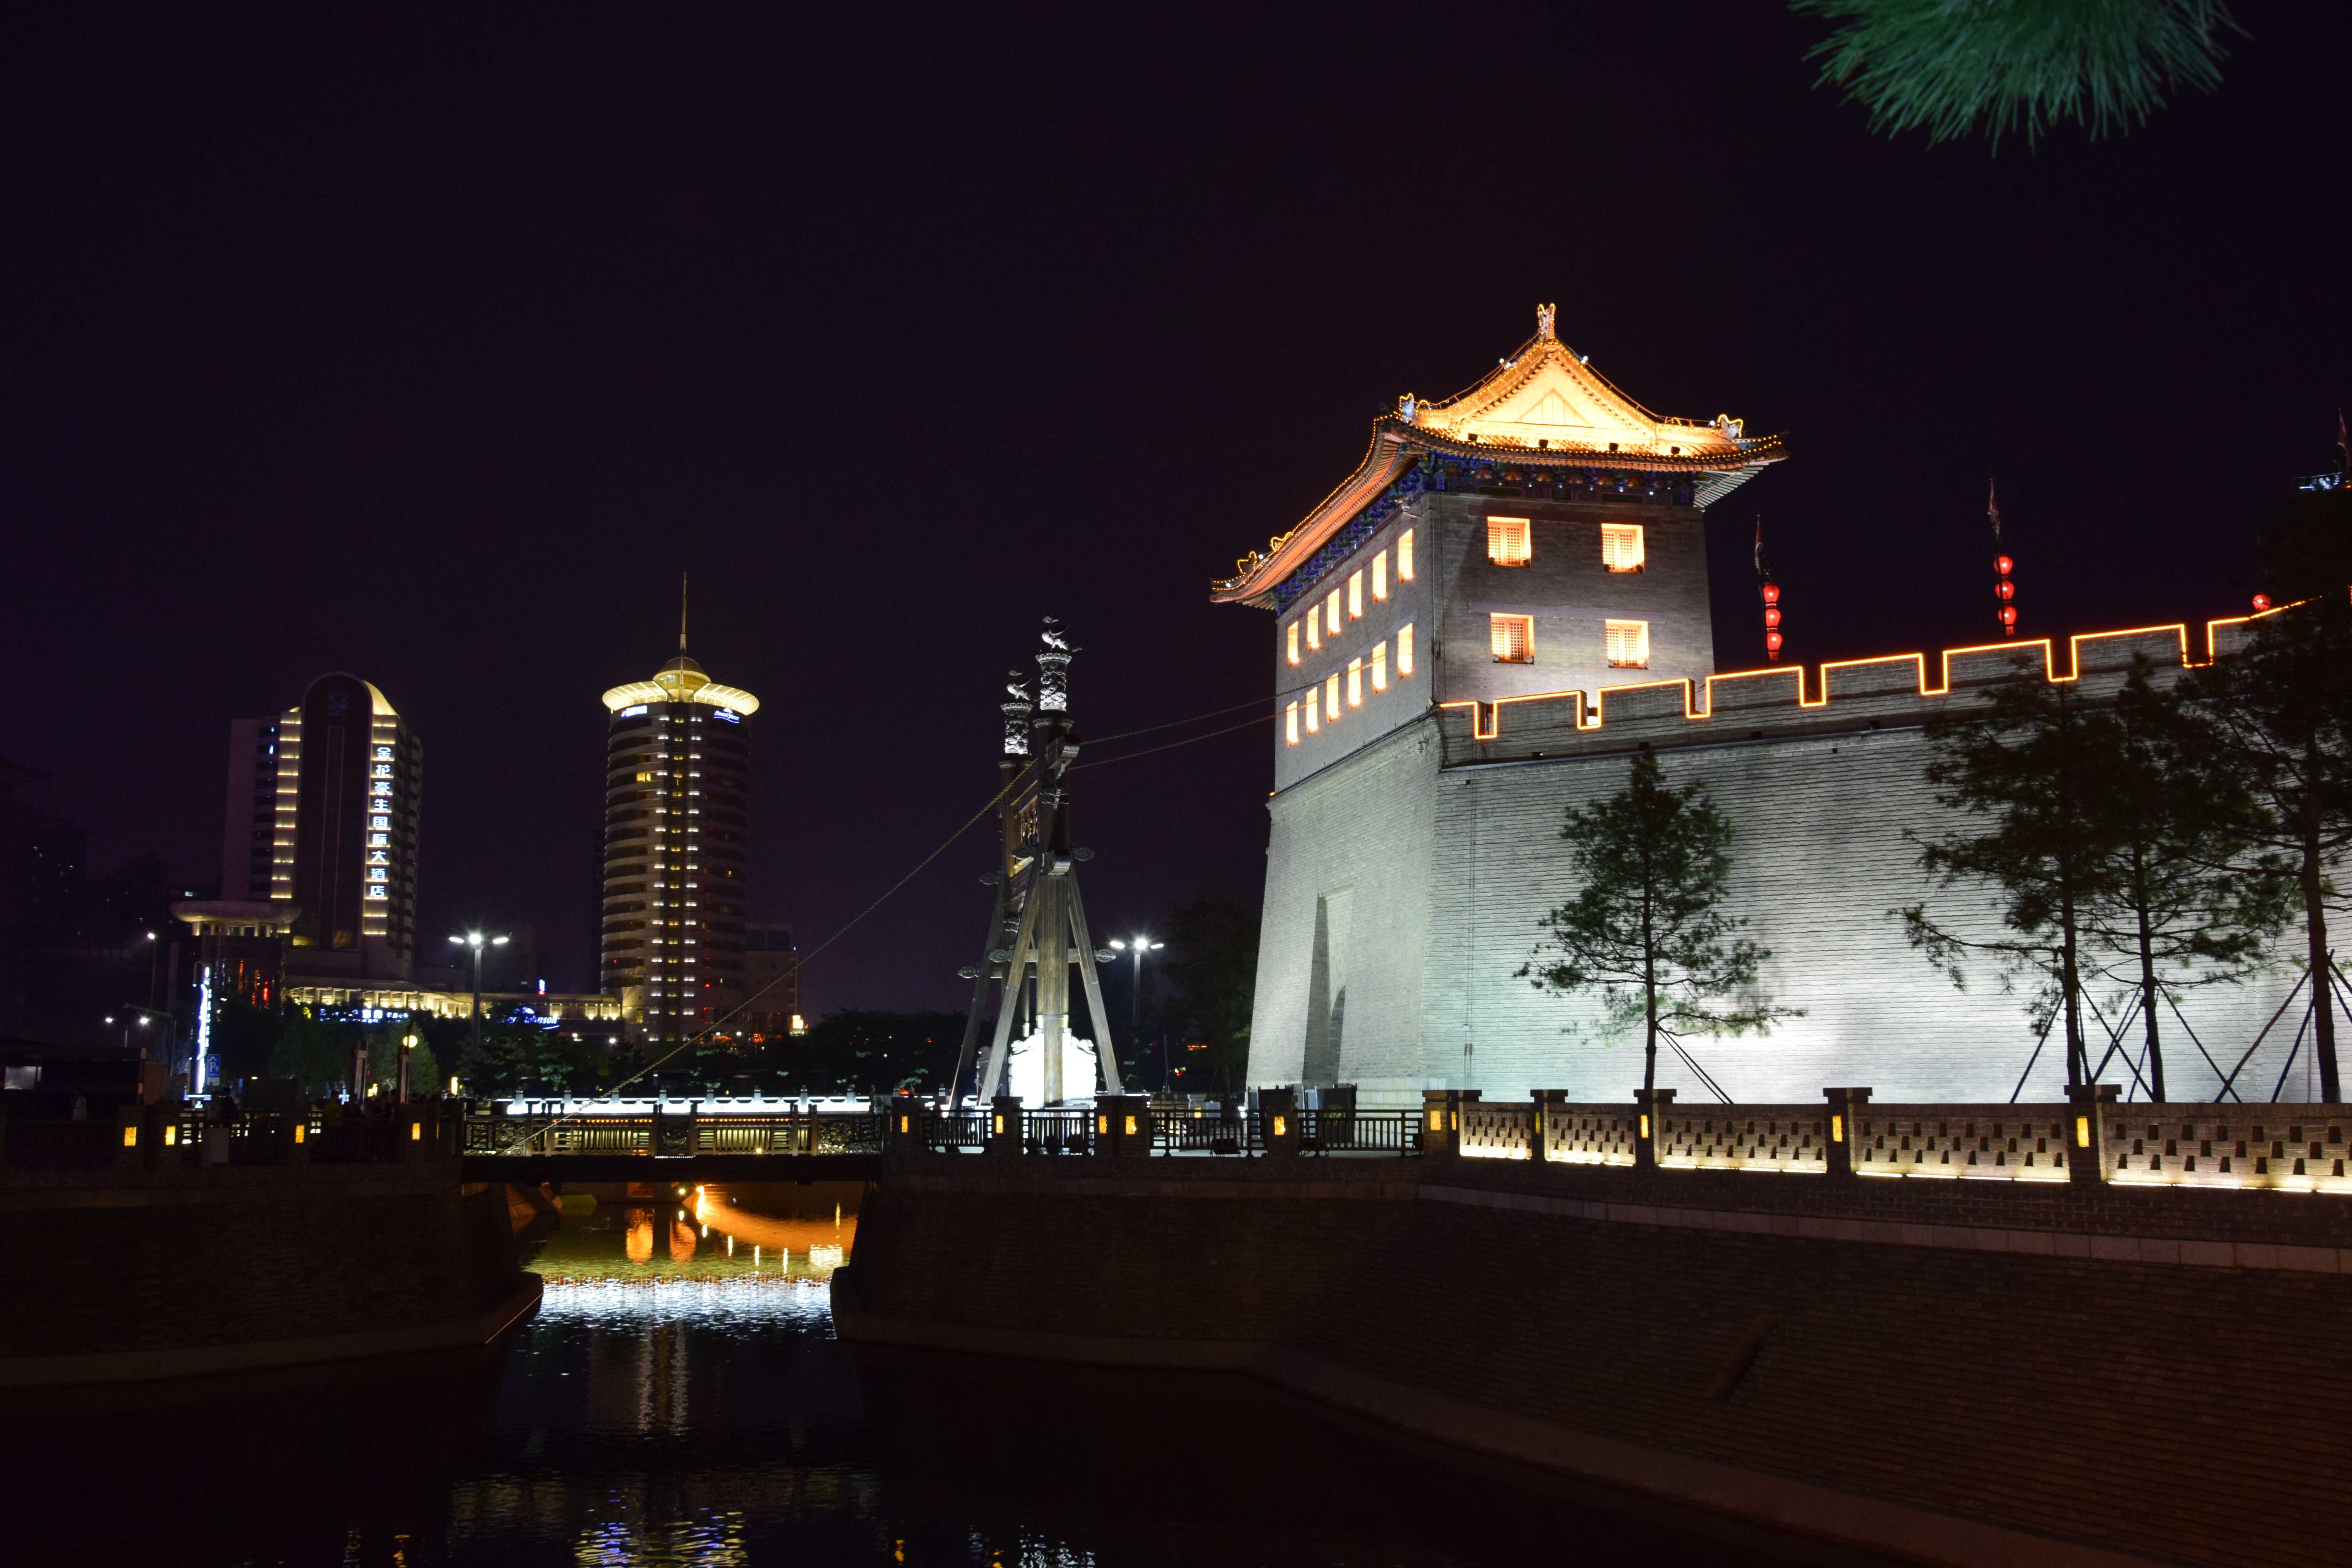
(2261, 603)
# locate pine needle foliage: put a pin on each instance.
(1951, 68)
(1646, 928)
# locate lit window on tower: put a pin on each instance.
(1355, 683)
(1380, 666)
(1381, 576)
(1514, 638)
(1628, 644)
(1290, 723)
(1314, 630)
(1404, 556)
(1620, 546)
(1331, 612)
(1507, 541)
(1404, 648)
(1314, 715)
(1294, 642)
(1331, 697)
(1355, 595)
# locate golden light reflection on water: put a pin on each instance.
(711, 1235)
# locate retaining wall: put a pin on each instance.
(1951, 1372)
(133, 1276)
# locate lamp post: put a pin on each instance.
(476, 941)
(1140, 945)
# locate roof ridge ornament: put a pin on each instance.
(1407, 408)
(1546, 316)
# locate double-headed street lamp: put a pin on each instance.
(1140, 945)
(478, 942)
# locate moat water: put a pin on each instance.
(680, 1400)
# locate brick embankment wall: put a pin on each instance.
(1915, 1397)
(140, 1274)
(2177, 1212)
(1218, 1255)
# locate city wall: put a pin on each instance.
(1405, 886)
(127, 1277)
(1951, 1372)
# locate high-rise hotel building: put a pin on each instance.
(321, 824)
(676, 779)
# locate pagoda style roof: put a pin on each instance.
(682, 680)
(1541, 407)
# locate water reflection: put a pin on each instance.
(680, 1400)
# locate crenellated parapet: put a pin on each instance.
(1893, 691)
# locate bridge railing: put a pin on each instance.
(1179, 1128)
(673, 1137)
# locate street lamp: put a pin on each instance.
(1140, 945)
(476, 941)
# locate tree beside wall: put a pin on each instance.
(1645, 930)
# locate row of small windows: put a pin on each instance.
(1510, 542)
(1625, 644)
(1323, 620)
(1308, 716)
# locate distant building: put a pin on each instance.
(677, 771)
(250, 833)
(322, 822)
(771, 980)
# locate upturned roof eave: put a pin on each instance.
(1395, 444)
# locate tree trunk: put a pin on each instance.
(1649, 999)
(2315, 924)
(1650, 1039)
(2078, 1063)
(2147, 989)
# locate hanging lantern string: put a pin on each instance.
(1770, 593)
(2004, 588)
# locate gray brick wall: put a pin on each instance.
(1356, 839)
(1457, 864)
(1568, 592)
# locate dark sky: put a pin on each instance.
(432, 346)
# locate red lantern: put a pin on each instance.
(2006, 589)
(2009, 615)
(1771, 616)
(1772, 643)
(1771, 592)
(2003, 564)
(2261, 603)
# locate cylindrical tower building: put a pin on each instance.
(677, 775)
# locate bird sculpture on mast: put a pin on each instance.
(1037, 932)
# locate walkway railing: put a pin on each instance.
(2092, 1138)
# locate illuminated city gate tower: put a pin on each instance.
(1539, 533)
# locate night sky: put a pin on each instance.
(433, 346)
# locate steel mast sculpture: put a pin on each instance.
(1037, 930)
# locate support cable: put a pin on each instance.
(2040, 1040)
(2170, 1002)
(800, 962)
(2228, 1084)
